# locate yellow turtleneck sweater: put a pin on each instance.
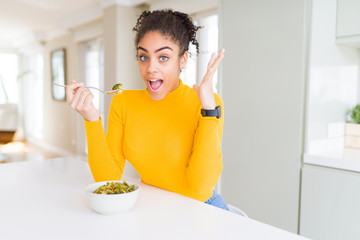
(168, 142)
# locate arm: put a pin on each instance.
(205, 164)
(105, 154)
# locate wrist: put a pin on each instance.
(216, 112)
(92, 118)
(209, 107)
(208, 103)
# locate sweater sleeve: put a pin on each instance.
(105, 155)
(205, 164)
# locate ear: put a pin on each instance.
(183, 59)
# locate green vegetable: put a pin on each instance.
(115, 188)
(355, 114)
(117, 86)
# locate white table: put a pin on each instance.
(46, 200)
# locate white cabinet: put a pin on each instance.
(348, 23)
(330, 204)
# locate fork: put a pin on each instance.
(104, 92)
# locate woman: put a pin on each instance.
(169, 132)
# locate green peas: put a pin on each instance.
(115, 188)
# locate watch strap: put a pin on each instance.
(211, 113)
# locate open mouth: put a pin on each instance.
(155, 84)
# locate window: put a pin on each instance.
(31, 81)
(92, 75)
(208, 42)
(93, 70)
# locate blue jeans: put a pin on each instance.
(217, 201)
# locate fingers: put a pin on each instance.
(205, 90)
(209, 75)
(196, 88)
(213, 65)
(218, 59)
(212, 59)
(88, 102)
(83, 94)
(79, 98)
(71, 90)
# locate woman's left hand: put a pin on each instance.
(205, 90)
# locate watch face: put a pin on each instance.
(218, 111)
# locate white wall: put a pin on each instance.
(60, 128)
(120, 65)
(333, 78)
(120, 55)
(62, 125)
(263, 88)
(187, 6)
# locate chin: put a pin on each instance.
(157, 96)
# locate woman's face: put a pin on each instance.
(160, 64)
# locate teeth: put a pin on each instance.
(154, 80)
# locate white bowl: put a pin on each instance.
(111, 203)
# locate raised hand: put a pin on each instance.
(80, 99)
(205, 90)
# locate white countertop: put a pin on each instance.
(339, 158)
(46, 200)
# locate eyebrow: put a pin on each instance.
(158, 50)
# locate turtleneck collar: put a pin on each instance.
(178, 92)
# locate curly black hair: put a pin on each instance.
(176, 25)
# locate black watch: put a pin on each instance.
(212, 113)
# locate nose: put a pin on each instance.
(152, 66)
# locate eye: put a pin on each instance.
(163, 58)
(143, 58)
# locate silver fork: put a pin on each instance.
(104, 92)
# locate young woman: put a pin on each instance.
(169, 132)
